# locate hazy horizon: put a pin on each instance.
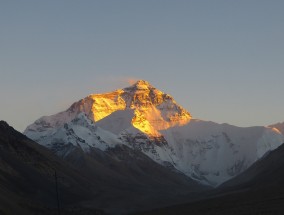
(222, 61)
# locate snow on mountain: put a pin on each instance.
(278, 127)
(214, 153)
(80, 132)
(146, 119)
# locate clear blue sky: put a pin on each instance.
(222, 60)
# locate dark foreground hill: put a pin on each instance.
(27, 182)
(117, 181)
(259, 190)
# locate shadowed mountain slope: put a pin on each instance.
(118, 180)
(27, 181)
(258, 190)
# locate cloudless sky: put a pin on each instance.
(222, 60)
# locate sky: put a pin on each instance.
(222, 60)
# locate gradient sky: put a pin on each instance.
(221, 60)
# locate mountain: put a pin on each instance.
(279, 126)
(145, 119)
(258, 190)
(266, 172)
(117, 181)
(152, 109)
(27, 180)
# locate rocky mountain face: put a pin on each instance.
(142, 118)
(118, 180)
(152, 109)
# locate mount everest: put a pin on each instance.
(144, 118)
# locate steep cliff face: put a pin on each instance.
(146, 119)
(153, 109)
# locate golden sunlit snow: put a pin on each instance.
(153, 109)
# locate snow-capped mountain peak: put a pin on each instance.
(147, 119)
(153, 109)
(140, 85)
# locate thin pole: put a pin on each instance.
(57, 194)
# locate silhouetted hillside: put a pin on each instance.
(120, 180)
